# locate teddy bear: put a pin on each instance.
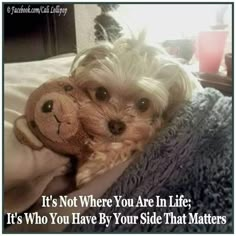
(51, 120)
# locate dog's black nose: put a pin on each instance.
(116, 127)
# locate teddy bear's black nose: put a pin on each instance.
(47, 106)
(116, 127)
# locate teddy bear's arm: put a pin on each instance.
(25, 135)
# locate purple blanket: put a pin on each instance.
(191, 157)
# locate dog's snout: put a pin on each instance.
(47, 106)
(116, 127)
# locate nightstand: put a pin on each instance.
(220, 82)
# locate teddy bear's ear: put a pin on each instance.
(25, 135)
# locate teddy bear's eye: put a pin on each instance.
(68, 88)
(47, 106)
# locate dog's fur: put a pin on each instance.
(129, 70)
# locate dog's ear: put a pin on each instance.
(97, 53)
(178, 83)
(25, 135)
(89, 56)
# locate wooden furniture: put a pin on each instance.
(217, 81)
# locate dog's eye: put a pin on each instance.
(143, 104)
(68, 88)
(102, 94)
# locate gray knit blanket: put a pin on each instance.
(192, 156)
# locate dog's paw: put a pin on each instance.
(95, 165)
(98, 156)
(82, 177)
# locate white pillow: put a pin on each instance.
(20, 79)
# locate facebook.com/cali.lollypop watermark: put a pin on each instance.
(44, 9)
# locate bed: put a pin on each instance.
(192, 156)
